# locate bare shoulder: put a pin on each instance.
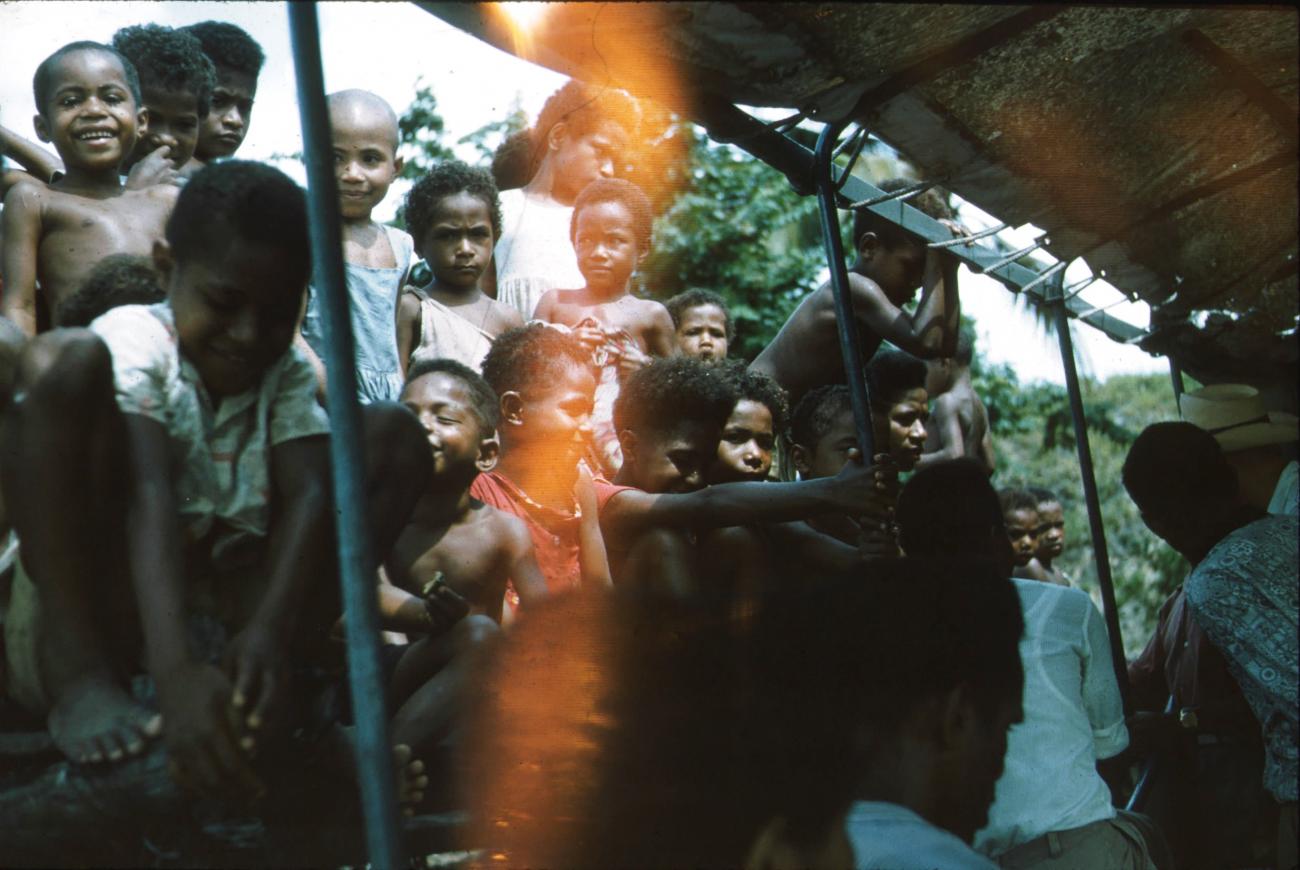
(504, 316)
(860, 286)
(509, 530)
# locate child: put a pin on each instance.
(899, 406)
(376, 257)
(1050, 537)
(580, 135)
(823, 437)
(702, 324)
(611, 235)
(118, 279)
(238, 61)
(454, 216)
(88, 99)
(891, 263)
(176, 80)
(749, 435)
(1020, 516)
(144, 540)
(960, 421)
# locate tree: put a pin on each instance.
(420, 131)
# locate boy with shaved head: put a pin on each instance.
(376, 257)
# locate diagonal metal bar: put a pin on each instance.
(1046, 275)
(356, 565)
(961, 240)
(1079, 286)
(1240, 76)
(845, 323)
(1097, 309)
(902, 194)
(1012, 257)
(860, 140)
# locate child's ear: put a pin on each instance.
(42, 128)
(163, 262)
(868, 245)
(141, 122)
(489, 451)
(512, 408)
(801, 460)
(557, 135)
(627, 441)
(398, 163)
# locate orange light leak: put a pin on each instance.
(522, 19)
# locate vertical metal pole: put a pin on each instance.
(356, 564)
(1176, 376)
(1055, 295)
(847, 326)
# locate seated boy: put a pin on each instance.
(118, 279)
(237, 59)
(1020, 516)
(167, 472)
(702, 324)
(176, 81)
(960, 423)
(900, 406)
(1049, 537)
(749, 435)
(891, 263)
(88, 99)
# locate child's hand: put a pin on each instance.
(632, 359)
(868, 491)
(153, 169)
(445, 605)
(877, 542)
(254, 661)
(200, 732)
(958, 230)
(584, 491)
(589, 333)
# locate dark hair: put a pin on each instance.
(950, 509)
(1015, 499)
(659, 694)
(118, 279)
(229, 47)
(449, 178)
(673, 390)
(891, 235)
(169, 59)
(891, 373)
(1175, 466)
(41, 83)
(582, 107)
(531, 356)
(252, 201)
(1041, 495)
(483, 401)
(620, 191)
(816, 413)
(689, 299)
(761, 388)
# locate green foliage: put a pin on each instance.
(420, 130)
(488, 138)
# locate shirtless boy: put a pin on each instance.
(959, 423)
(900, 406)
(891, 263)
(1020, 516)
(1050, 537)
(702, 323)
(88, 99)
(238, 61)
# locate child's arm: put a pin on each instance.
(195, 698)
(945, 424)
(408, 328)
(30, 156)
(986, 451)
(593, 562)
(524, 571)
(22, 240)
(660, 337)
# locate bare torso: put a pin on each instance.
(639, 318)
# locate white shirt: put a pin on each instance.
(534, 253)
(1073, 716)
(1286, 495)
(891, 837)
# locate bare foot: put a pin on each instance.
(411, 781)
(95, 721)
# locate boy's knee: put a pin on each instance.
(477, 629)
(67, 366)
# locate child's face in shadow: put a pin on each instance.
(674, 461)
(235, 310)
(458, 243)
(91, 117)
(224, 129)
(830, 453)
(554, 419)
(445, 408)
(902, 427)
(703, 333)
(745, 448)
(898, 271)
(604, 239)
(580, 160)
(1022, 530)
(1051, 530)
(174, 122)
(365, 161)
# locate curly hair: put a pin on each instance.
(483, 401)
(530, 357)
(672, 390)
(689, 299)
(1015, 499)
(447, 179)
(1043, 495)
(118, 279)
(253, 201)
(582, 107)
(892, 373)
(816, 413)
(41, 81)
(617, 190)
(228, 46)
(761, 388)
(891, 235)
(169, 59)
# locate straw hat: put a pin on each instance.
(1235, 415)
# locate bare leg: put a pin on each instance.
(62, 442)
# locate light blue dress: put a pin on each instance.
(373, 296)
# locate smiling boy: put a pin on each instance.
(88, 98)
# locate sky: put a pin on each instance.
(385, 47)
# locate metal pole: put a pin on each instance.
(1111, 610)
(356, 564)
(844, 321)
(1176, 376)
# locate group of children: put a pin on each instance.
(164, 436)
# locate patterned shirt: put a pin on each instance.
(1245, 595)
(221, 452)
